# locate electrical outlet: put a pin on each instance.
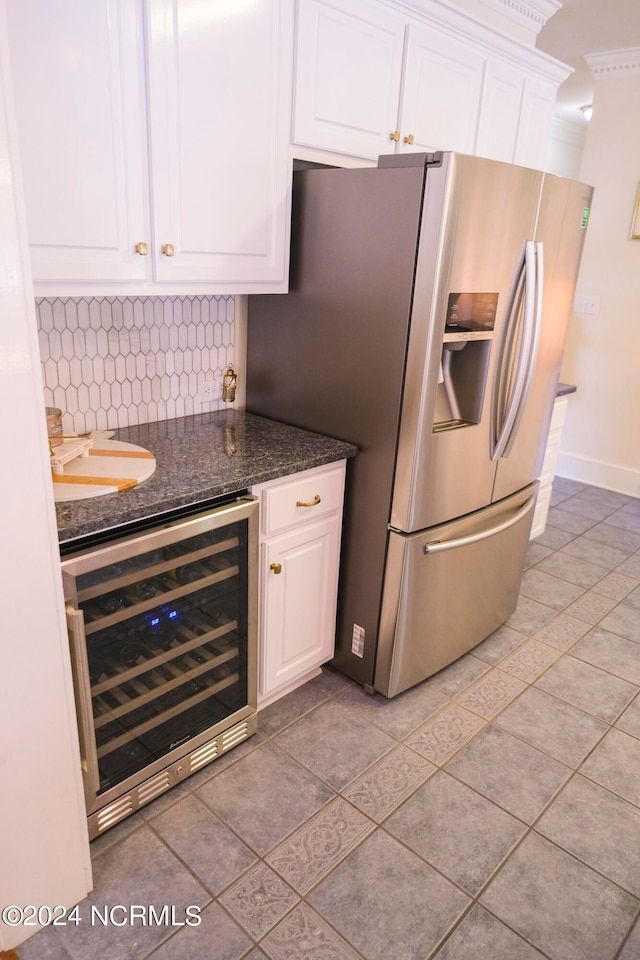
(209, 390)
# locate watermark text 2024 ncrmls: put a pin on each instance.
(136, 914)
(118, 915)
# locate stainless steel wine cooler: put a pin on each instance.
(163, 628)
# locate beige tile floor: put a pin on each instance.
(493, 812)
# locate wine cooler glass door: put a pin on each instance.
(164, 626)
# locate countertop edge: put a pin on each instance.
(256, 451)
(564, 389)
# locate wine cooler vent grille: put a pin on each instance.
(152, 788)
(116, 811)
(204, 755)
(233, 736)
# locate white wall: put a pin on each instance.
(601, 437)
(44, 849)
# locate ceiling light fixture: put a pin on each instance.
(587, 111)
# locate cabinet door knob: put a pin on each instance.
(276, 567)
(142, 249)
(168, 250)
(395, 135)
(311, 503)
(409, 139)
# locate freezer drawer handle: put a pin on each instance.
(439, 547)
(312, 503)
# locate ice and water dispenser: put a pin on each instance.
(464, 364)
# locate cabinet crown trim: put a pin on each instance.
(611, 65)
(463, 26)
(529, 13)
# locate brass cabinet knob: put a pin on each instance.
(409, 139)
(142, 248)
(395, 135)
(276, 567)
(168, 250)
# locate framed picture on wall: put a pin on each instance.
(635, 226)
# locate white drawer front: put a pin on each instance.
(305, 496)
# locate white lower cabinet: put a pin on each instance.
(300, 530)
(549, 466)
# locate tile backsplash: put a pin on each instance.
(113, 362)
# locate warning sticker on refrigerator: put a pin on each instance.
(357, 641)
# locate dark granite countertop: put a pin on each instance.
(563, 389)
(199, 458)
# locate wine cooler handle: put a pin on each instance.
(75, 624)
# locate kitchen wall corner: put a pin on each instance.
(112, 362)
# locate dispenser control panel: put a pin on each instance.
(469, 312)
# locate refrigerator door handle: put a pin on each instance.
(440, 546)
(516, 372)
(502, 386)
(532, 346)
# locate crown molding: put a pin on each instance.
(447, 16)
(527, 15)
(532, 14)
(614, 64)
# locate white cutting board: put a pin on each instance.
(110, 466)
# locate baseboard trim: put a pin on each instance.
(609, 476)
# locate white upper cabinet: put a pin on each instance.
(498, 127)
(173, 178)
(373, 79)
(441, 94)
(515, 117)
(219, 79)
(536, 114)
(348, 75)
(77, 77)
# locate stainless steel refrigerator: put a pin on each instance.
(425, 322)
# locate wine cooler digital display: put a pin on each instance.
(163, 636)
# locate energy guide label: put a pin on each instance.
(357, 641)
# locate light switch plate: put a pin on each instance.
(586, 303)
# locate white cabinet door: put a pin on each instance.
(301, 527)
(499, 112)
(515, 117)
(538, 100)
(441, 94)
(349, 57)
(360, 91)
(300, 572)
(77, 72)
(219, 95)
